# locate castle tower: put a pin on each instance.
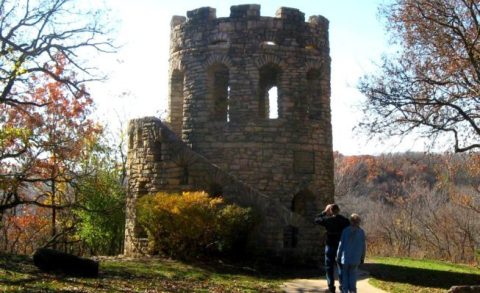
(221, 71)
(251, 95)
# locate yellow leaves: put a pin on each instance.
(17, 67)
(19, 70)
(175, 210)
(474, 166)
(9, 136)
(176, 203)
(462, 199)
(7, 132)
(13, 62)
(191, 222)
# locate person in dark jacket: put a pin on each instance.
(334, 223)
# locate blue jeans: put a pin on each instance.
(330, 267)
(349, 281)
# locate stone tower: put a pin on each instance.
(249, 120)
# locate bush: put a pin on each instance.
(233, 227)
(193, 224)
(101, 213)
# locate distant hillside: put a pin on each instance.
(391, 176)
(414, 204)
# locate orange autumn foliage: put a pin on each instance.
(40, 151)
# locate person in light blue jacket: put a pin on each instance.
(351, 253)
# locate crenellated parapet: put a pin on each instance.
(247, 28)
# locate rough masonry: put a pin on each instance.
(249, 120)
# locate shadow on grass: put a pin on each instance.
(19, 272)
(420, 277)
(21, 264)
(259, 268)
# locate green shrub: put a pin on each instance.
(193, 224)
(101, 213)
(233, 228)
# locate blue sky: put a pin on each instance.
(140, 69)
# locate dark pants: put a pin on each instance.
(331, 265)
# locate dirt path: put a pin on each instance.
(320, 285)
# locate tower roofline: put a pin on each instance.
(245, 11)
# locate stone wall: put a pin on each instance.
(222, 110)
(157, 160)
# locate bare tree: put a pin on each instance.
(34, 32)
(432, 86)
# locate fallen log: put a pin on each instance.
(49, 260)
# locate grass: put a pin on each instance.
(18, 274)
(396, 275)
(402, 275)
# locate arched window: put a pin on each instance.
(228, 104)
(219, 92)
(176, 100)
(157, 151)
(131, 139)
(314, 94)
(139, 136)
(303, 203)
(185, 175)
(273, 103)
(269, 91)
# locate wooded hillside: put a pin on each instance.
(414, 204)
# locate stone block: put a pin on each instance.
(202, 14)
